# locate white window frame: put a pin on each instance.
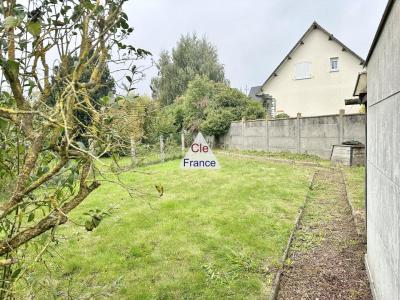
(331, 60)
(302, 70)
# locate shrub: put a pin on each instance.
(282, 116)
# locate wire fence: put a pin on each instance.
(169, 147)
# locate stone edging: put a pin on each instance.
(371, 282)
(276, 285)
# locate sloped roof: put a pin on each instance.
(313, 26)
(254, 91)
(361, 84)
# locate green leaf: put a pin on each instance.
(3, 124)
(11, 22)
(31, 217)
(32, 85)
(88, 5)
(16, 273)
(12, 66)
(96, 220)
(34, 28)
(104, 100)
(88, 225)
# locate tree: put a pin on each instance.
(49, 171)
(105, 86)
(211, 106)
(133, 121)
(192, 56)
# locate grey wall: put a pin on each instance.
(383, 161)
(312, 135)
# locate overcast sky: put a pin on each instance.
(251, 36)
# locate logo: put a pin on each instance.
(199, 156)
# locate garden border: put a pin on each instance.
(348, 197)
(277, 281)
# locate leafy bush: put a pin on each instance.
(211, 107)
(217, 122)
(282, 116)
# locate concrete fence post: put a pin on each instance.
(267, 134)
(298, 133)
(341, 126)
(243, 134)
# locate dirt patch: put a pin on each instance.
(326, 257)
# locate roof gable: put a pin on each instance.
(313, 26)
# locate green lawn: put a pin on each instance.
(212, 235)
(355, 181)
(282, 155)
(355, 190)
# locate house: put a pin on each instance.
(383, 155)
(315, 77)
(266, 100)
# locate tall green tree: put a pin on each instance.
(192, 56)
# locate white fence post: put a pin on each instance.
(182, 142)
(162, 154)
(133, 151)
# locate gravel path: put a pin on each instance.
(326, 258)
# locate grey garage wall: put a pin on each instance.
(312, 135)
(383, 160)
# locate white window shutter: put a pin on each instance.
(303, 70)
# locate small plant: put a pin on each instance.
(282, 116)
(96, 216)
(213, 274)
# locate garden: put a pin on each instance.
(211, 234)
(93, 203)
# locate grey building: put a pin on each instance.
(383, 157)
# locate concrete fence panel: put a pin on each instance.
(311, 135)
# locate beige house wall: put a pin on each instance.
(325, 91)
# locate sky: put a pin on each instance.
(253, 36)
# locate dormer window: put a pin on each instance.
(334, 64)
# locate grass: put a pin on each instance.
(212, 235)
(283, 155)
(355, 181)
(149, 155)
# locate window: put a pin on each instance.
(334, 64)
(302, 70)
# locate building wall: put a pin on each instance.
(325, 91)
(383, 161)
(312, 135)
